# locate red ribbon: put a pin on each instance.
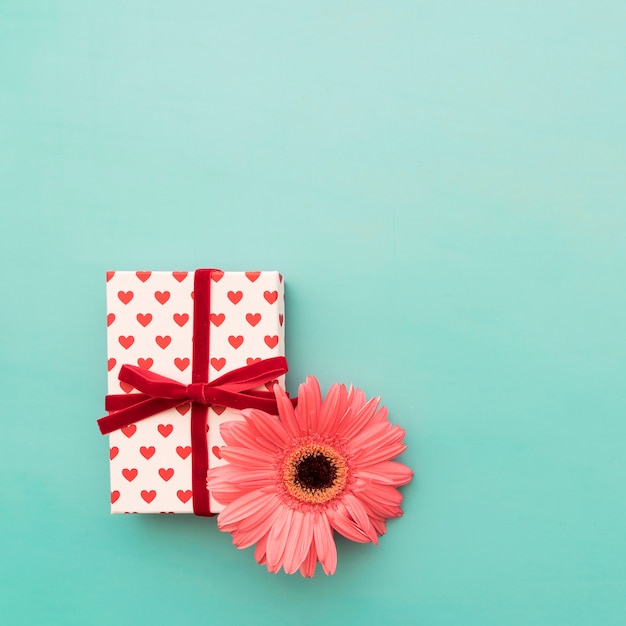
(159, 393)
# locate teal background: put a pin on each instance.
(442, 185)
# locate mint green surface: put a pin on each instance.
(442, 185)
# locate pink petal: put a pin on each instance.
(377, 434)
(387, 473)
(286, 412)
(358, 420)
(309, 404)
(306, 536)
(341, 522)
(234, 477)
(333, 408)
(291, 558)
(307, 569)
(381, 504)
(267, 426)
(243, 507)
(379, 526)
(358, 513)
(385, 452)
(247, 458)
(325, 544)
(245, 435)
(258, 525)
(356, 398)
(277, 538)
(259, 551)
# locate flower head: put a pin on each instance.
(293, 480)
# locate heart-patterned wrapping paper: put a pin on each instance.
(150, 324)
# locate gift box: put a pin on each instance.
(179, 344)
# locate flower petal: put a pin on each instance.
(247, 458)
(292, 558)
(333, 408)
(243, 507)
(358, 513)
(387, 473)
(309, 405)
(266, 426)
(277, 538)
(286, 412)
(307, 569)
(325, 544)
(382, 443)
(244, 434)
(341, 522)
(358, 420)
(260, 551)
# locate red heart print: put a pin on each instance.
(126, 387)
(147, 452)
(181, 364)
(162, 296)
(218, 411)
(217, 275)
(143, 276)
(111, 363)
(165, 429)
(181, 318)
(145, 364)
(280, 278)
(183, 409)
(235, 296)
(110, 318)
(148, 496)
(270, 296)
(183, 451)
(110, 275)
(250, 361)
(144, 318)
(235, 342)
(270, 386)
(129, 474)
(113, 452)
(281, 318)
(115, 496)
(126, 342)
(252, 276)
(217, 318)
(271, 340)
(218, 364)
(253, 318)
(216, 451)
(163, 342)
(129, 430)
(166, 474)
(184, 496)
(179, 276)
(125, 296)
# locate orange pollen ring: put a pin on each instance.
(331, 462)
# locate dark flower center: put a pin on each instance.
(315, 471)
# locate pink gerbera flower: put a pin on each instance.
(292, 481)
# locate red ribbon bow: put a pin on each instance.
(159, 393)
